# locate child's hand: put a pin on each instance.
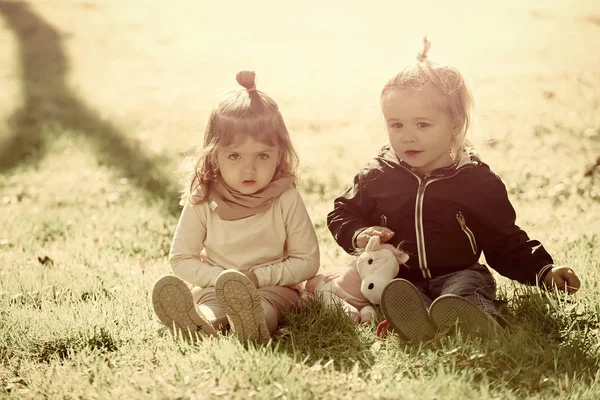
(562, 278)
(384, 233)
(252, 276)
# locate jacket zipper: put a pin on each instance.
(383, 220)
(419, 218)
(463, 225)
(419, 228)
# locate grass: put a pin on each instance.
(100, 100)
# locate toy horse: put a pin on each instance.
(359, 286)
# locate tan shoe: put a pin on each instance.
(450, 310)
(404, 309)
(175, 307)
(241, 301)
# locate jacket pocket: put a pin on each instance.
(463, 225)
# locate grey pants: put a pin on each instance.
(475, 283)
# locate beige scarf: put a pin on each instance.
(230, 204)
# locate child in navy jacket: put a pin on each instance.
(430, 191)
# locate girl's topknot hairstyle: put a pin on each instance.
(446, 80)
(422, 56)
(239, 114)
(247, 79)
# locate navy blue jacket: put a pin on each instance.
(445, 219)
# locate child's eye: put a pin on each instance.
(263, 156)
(422, 124)
(234, 156)
(396, 125)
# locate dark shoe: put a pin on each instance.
(404, 309)
(450, 310)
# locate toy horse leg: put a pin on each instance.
(367, 314)
(331, 299)
(351, 311)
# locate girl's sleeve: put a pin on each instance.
(302, 247)
(187, 261)
(507, 248)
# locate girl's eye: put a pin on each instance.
(234, 156)
(423, 125)
(396, 125)
(263, 156)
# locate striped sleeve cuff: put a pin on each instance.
(542, 274)
(355, 236)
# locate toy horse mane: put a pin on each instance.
(375, 244)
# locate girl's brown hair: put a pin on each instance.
(239, 114)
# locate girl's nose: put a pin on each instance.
(408, 136)
(249, 166)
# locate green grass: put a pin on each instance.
(99, 100)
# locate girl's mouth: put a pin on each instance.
(248, 183)
(413, 152)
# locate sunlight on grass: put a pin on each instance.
(100, 99)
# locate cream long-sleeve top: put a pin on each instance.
(280, 245)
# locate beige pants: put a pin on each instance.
(275, 301)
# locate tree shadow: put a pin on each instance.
(50, 103)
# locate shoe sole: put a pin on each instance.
(175, 307)
(241, 301)
(451, 310)
(404, 309)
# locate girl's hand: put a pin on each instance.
(384, 233)
(252, 276)
(562, 278)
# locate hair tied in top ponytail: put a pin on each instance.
(247, 79)
(422, 56)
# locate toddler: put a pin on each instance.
(428, 189)
(244, 240)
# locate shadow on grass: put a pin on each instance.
(319, 334)
(97, 339)
(49, 103)
(551, 346)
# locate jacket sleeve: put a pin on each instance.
(352, 212)
(507, 248)
(186, 258)
(302, 247)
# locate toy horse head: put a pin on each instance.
(377, 266)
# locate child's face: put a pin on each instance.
(247, 166)
(420, 129)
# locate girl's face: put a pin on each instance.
(247, 166)
(420, 128)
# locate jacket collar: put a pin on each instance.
(467, 157)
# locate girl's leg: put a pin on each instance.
(175, 307)
(271, 316)
(209, 308)
(466, 298)
(275, 301)
(475, 284)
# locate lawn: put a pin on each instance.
(101, 99)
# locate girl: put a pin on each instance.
(244, 238)
(429, 190)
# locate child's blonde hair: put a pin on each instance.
(444, 79)
(239, 114)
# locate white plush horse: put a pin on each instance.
(359, 286)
